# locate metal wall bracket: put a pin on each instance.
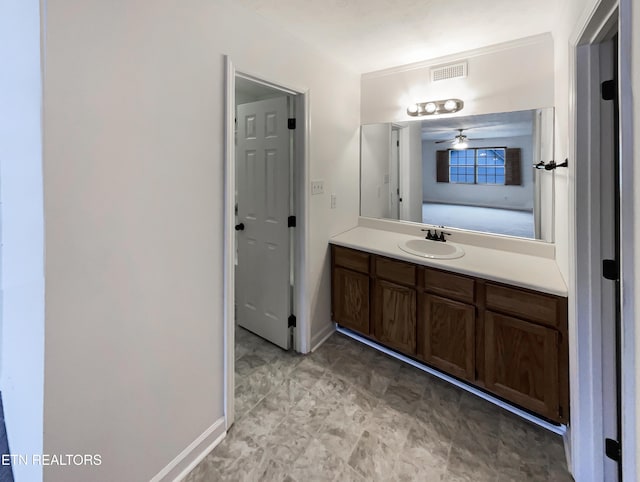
(551, 165)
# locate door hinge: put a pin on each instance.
(291, 123)
(612, 449)
(291, 222)
(608, 90)
(610, 269)
(292, 321)
(398, 143)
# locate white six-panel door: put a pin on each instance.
(262, 274)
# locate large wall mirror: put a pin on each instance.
(471, 172)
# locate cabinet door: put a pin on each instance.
(395, 316)
(521, 363)
(447, 336)
(351, 299)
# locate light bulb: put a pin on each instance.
(430, 108)
(412, 109)
(460, 145)
(450, 105)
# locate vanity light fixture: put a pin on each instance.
(447, 106)
(451, 105)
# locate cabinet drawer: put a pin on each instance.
(449, 285)
(536, 307)
(352, 259)
(403, 273)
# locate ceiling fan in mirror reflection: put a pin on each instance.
(460, 141)
(447, 106)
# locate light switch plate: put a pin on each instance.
(333, 201)
(317, 187)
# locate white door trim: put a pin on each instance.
(587, 446)
(404, 170)
(229, 245)
(630, 471)
(302, 310)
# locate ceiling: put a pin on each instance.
(486, 126)
(371, 35)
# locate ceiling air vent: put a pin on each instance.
(451, 71)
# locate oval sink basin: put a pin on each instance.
(431, 249)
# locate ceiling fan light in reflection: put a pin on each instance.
(447, 106)
(461, 144)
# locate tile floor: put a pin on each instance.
(349, 413)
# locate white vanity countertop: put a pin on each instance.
(523, 270)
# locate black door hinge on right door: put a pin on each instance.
(612, 449)
(608, 90)
(292, 321)
(610, 269)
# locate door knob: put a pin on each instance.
(240, 227)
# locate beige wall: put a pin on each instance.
(567, 25)
(497, 82)
(133, 180)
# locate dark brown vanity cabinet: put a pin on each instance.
(351, 289)
(504, 339)
(394, 304)
(526, 352)
(447, 323)
(351, 299)
(522, 362)
(447, 337)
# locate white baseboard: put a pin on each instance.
(321, 337)
(566, 440)
(559, 429)
(186, 461)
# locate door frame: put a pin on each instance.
(404, 170)
(395, 165)
(586, 431)
(301, 339)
